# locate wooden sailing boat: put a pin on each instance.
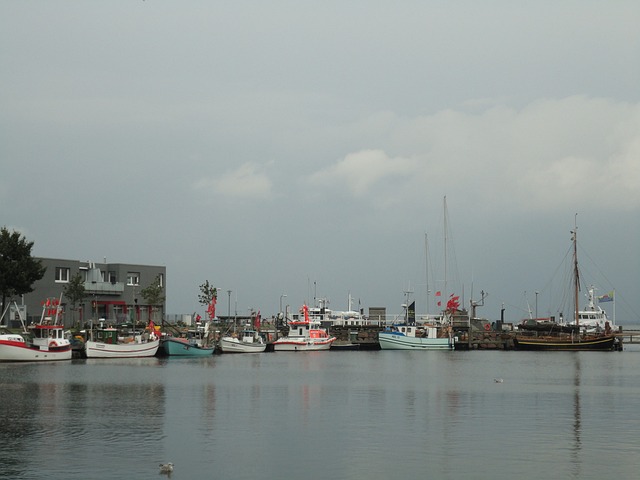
(574, 340)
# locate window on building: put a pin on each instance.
(62, 274)
(161, 279)
(133, 278)
(112, 277)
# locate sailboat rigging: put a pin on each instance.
(576, 337)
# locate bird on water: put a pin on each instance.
(166, 468)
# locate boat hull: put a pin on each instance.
(174, 347)
(393, 341)
(602, 343)
(285, 345)
(121, 350)
(26, 353)
(234, 345)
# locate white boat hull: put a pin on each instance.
(121, 350)
(16, 353)
(393, 341)
(234, 345)
(286, 345)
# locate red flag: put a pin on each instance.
(211, 310)
(453, 303)
(256, 322)
(305, 310)
(438, 293)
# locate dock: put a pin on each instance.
(474, 338)
(629, 336)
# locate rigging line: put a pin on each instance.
(583, 251)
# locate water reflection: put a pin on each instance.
(339, 416)
(577, 420)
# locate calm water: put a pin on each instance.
(325, 415)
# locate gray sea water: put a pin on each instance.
(325, 415)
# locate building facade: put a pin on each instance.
(112, 291)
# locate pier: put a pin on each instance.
(629, 336)
(473, 337)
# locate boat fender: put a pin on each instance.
(487, 327)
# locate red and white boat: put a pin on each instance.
(40, 342)
(304, 336)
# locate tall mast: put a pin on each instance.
(426, 252)
(576, 275)
(445, 249)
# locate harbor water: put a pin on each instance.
(325, 415)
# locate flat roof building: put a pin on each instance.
(112, 291)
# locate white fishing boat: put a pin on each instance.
(111, 342)
(593, 317)
(304, 335)
(247, 341)
(416, 337)
(41, 342)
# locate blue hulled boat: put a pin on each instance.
(184, 347)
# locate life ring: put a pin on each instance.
(52, 344)
(487, 327)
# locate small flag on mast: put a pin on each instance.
(607, 297)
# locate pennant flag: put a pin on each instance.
(607, 297)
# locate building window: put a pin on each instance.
(112, 277)
(133, 278)
(161, 280)
(62, 275)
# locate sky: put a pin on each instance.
(306, 148)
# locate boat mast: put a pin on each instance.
(426, 251)
(445, 249)
(576, 277)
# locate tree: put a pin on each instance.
(18, 269)
(74, 292)
(208, 296)
(153, 295)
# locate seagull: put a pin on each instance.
(166, 468)
(498, 380)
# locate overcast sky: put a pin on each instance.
(305, 148)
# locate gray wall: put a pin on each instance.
(113, 298)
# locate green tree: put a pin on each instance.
(18, 269)
(75, 293)
(153, 295)
(208, 296)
